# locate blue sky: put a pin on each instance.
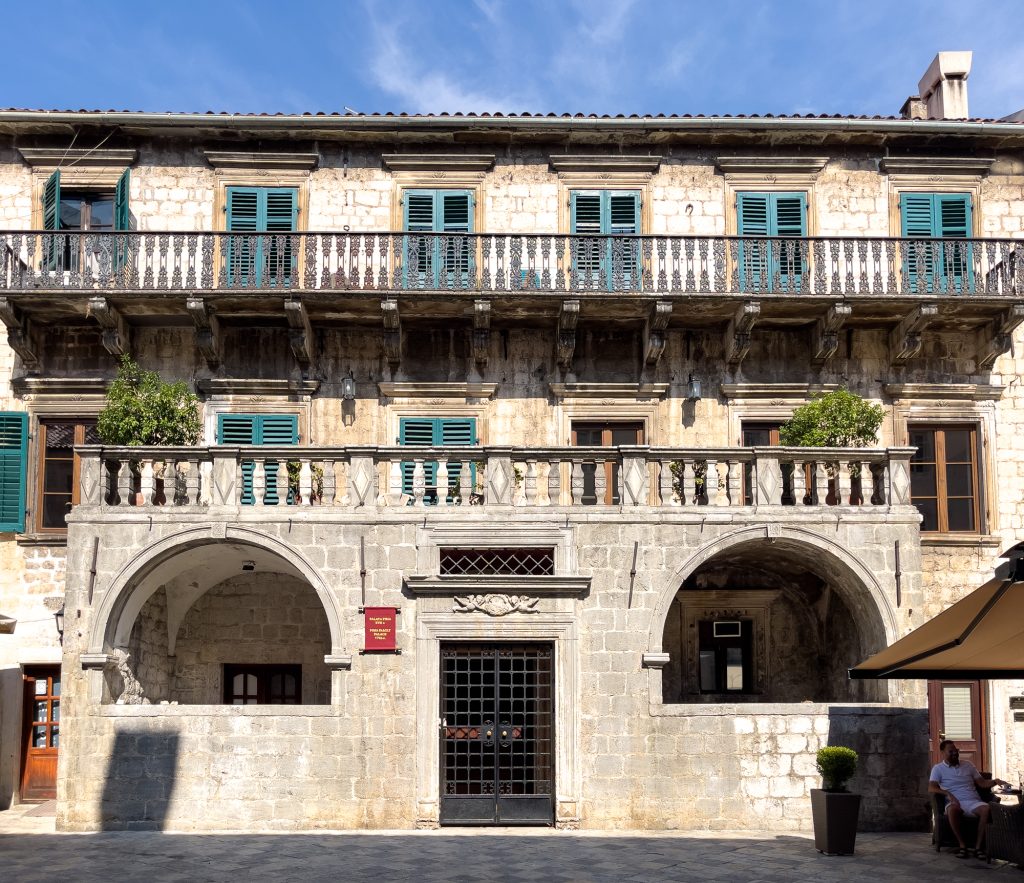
(600, 56)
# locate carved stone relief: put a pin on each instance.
(495, 605)
(132, 694)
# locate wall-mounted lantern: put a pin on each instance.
(693, 389)
(348, 387)
(58, 618)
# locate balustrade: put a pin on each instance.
(499, 262)
(438, 478)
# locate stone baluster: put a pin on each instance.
(206, 483)
(500, 483)
(419, 482)
(600, 482)
(330, 483)
(91, 480)
(283, 482)
(711, 482)
(465, 483)
(576, 486)
(530, 484)
(555, 483)
(820, 484)
(224, 478)
(735, 483)
(843, 486)
(305, 482)
(147, 484)
(769, 480)
(259, 481)
(799, 482)
(123, 477)
(394, 496)
(192, 481)
(689, 494)
(665, 495)
(442, 482)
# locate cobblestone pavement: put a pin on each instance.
(31, 851)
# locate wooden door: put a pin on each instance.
(41, 735)
(956, 710)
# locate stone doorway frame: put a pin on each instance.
(557, 628)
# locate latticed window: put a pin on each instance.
(497, 562)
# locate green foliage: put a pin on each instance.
(142, 409)
(316, 479)
(839, 419)
(836, 765)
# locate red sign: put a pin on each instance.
(380, 628)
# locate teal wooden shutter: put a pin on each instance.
(437, 261)
(122, 220)
(455, 209)
(788, 220)
(239, 429)
(261, 258)
(771, 217)
(953, 214)
(944, 265)
(418, 251)
(276, 430)
(258, 429)
(622, 218)
(585, 217)
(243, 217)
(51, 220)
(13, 469)
(280, 216)
(434, 431)
(752, 213)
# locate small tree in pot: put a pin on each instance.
(835, 810)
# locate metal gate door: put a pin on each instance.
(497, 734)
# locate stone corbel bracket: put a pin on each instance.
(655, 660)
(338, 661)
(826, 333)
(115, 329)
(392, 330)
(994, 338)
(481, 331)
(208, 339)
(654, 331)
(568, 317)
(738, 333)
(300, 332)
(95, 661)
(19, 334)
(905, 338)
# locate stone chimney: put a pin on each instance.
(943, 88)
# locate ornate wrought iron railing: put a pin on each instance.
(399, 477)
(501, 262)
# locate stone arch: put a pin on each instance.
(859, 587)
(140, 577)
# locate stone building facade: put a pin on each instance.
(624, 604)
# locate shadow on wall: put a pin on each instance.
(892, 769)
(140, 780)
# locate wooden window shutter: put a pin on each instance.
(244, 210)
(236, 429)
(953, 214)
(752, 214)
(277, 429)
(280, 210)
(122, 216)
(585, 212)
(418, 211)
(455, 211)
(622, 214)
(917, 216)
(51, 202)
(434, 431)
(13, 469)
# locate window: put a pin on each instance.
(944, 477)
(258, 429)
(431, 432)
(604, 435)
(261, 260)
(13, 466)
(724, 656)
(609, 264)
(944, 264)
(262, 684)
(86, 210)
(60, 470)
(438, 261)
(772, 264)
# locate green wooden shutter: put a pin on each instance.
(417, 431)
(122, 217)
(622, 217)
(281, 212)
(239, 429)
(455, 209)
(258, 429)
(788, 219)
(418, 251)
(434, 431)
(243, 216)
(946, 266)
(752, 220)
(13, 469)
(771, 217)
(276, 430)
(51, 220)
(585, 218)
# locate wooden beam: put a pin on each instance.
(208, 339)
(481, 331)
(905, 338)
(565, 346)
(392, 330)
(738, 334)
(994, 338)
(826, 333)
(19, 334)
(300, 332)
(654, 331)
(115, 329)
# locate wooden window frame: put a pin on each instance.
(941, 495)
(40, 462)
(263, 672)
(606, 427)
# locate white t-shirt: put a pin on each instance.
(957, 780)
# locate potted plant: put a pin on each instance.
(143, 410)
(835, 810)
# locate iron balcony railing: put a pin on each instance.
(452, 476)
(502, 262)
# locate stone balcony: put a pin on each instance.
(282, 482)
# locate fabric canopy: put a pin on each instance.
(980, 636)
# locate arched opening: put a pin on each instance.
(220, 622)
(777, 621)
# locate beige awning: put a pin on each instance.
(980, 636)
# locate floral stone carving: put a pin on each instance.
(132, 694)
(495, 605)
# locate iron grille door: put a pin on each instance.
(497, 734)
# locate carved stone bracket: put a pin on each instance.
(132, 694)
(738, 334)
(495, 605)
(654, 331)
(481, 331)
(115, 329)
(392, 330)
(826, 333)
(208, 340)
(568, 317)
(905, 338)
(994, 338)
(300, 333)
(19, 334)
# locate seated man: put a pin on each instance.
(960, 781)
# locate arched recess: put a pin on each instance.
(201, 551)
(858, 584)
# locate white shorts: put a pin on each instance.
(970, 807)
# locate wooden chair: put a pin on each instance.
(942, 833)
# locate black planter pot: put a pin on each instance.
(835, 816)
